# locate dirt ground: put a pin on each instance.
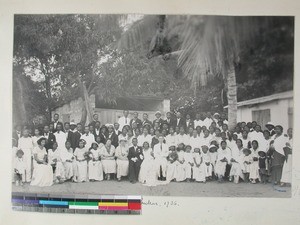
(209, 189)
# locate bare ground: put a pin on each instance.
(210, 189)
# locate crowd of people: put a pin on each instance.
(173, 149)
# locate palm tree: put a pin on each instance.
(208, 46)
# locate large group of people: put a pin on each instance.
(173, 149)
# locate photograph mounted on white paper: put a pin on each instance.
(153, 105)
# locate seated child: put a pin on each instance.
(246, 163)
(171, 164)
(213, 158)
(19, 168)
(189, 161)
(199, 172)
(262, 162)
(223, 158)
(207, 162)
(180, 174)
(55, 161)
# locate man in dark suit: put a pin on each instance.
(146, 120)
(170, 121)
(136, 120)
(95, 120)
(117, 130)
(135, 157)
(158, 119)
(112, 136)
(188, 121)
(50, 138)
(180, 122)
(55, 122)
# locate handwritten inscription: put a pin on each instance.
(165, 204)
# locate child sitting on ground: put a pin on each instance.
(19, 168)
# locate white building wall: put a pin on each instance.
(278, 111)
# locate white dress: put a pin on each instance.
(148, 175)
(254, 166)
(246, 159)
(89, 139)
(95, 170)
(180, 174)
(42, 174)
(195, 142)
(208, 168)
(55, 155)
(26, 145)
(69, 164)
(236, 167)
(189, 159)
(287, 167)
(122, 161)
(19, 165)
(81, 166)
(221, 166)
(60, 138)
(108, 159)
(161, 152)
(199, 173)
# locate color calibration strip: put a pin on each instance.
(86, 204)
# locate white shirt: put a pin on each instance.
(142, 138)
(89, 139)
(171, 139)
(207, 122)
(195, 142)
(182, 139)
(61, 138)
(198, 123)
(161, 150)
(123, 121)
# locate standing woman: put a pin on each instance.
(95, 165)
(122, 159)
(277, 154)
(81, 162)
(108, 159)
(254, 166)
(148, 173)
(36, 137)
(287, 166)
(42, 172)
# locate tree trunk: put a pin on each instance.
(87, 111)
(20, 106)
(232, 98)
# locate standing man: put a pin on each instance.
(112, 136)
(146, 120)
(171, 122)
(97, 129)
(180, 122)
(158, 119)
(161, 152)
(55, 122)
(124, 120)
(136, 120)
(117, 129)
(60, 136)
(50, 138)
(95, 120)
(76, 135)
(135, 157)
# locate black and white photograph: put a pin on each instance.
(153, 105)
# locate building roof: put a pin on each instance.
(269, 98)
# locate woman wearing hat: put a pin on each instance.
(95, 165)
(42, 172)
(122, 159)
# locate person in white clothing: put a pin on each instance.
(198, 121)
(194, 141)
(122, 159)
(26, 145)
(223, 158)
(189, 162)
(144, 137)
(207, 162)
(286, 177)
(161, 152)
(88, 137)
(19, 167)
(171, 138)
(60, 136)
(95, 165)
(182, 137)
(68, 160)
(124, 120)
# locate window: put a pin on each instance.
(261, 116)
